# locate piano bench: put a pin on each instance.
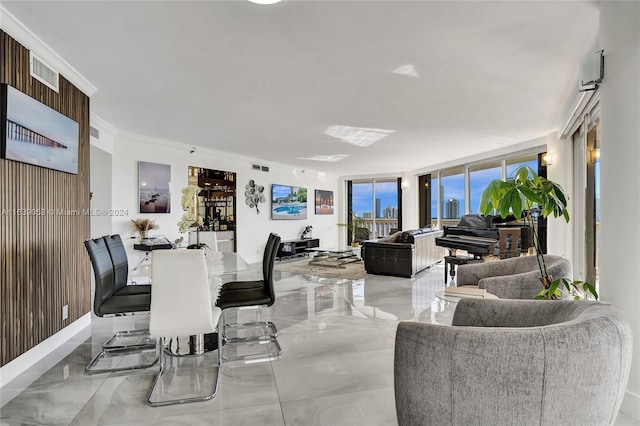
(450, 262)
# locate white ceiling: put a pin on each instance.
(268, 81)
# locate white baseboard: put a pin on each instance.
(14, 368)
(631, 405)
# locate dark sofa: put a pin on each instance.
(403, 254)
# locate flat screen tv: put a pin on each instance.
(288, 202)
(35, 134)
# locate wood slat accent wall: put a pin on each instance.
(43, 262)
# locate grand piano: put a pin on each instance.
(486, 235)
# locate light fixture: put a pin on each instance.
(265, 1)
(404, 184)
(546, 160)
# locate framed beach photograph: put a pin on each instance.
(154, 187)
(35, 134)
(324, 202)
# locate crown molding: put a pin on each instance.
(16, 29)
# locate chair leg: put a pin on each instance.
(262, 339)
(122, 347)
(129, 339)
(184, 379)
(119, 360)
(268, 327)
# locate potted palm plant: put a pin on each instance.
(353, 225)
(526, 195)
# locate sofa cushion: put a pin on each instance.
(393, 238)
(405, 237)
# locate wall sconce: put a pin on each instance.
(547, 160)
(404, 184)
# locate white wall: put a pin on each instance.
(252, 228)
(620, 174)
(559, 232)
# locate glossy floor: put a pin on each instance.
(336, 367)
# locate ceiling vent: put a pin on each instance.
(259, 167)
(94, 132)
(43, 72)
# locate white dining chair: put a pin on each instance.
(208, 238)
(181, 305)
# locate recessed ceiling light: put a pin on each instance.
(265, 1)
(329, 158)
(358, 136)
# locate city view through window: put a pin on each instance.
(376, 202)
(452, 187)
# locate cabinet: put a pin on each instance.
(223, 240)
(296, 247)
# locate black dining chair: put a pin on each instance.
(107, 303)
(120, 262)
(258, 294)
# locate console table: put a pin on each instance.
(296, 247)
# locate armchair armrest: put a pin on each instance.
(471, 274)
(515, 313)
(518, 286)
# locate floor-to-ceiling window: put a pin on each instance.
(378, 203)
(479, 177)
(435, 192)
(514, 164)
(586, 199)
(456, 191)
(452, 195)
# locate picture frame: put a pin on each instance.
(33, 133)
(323, 202)
(288, 202)
(154, 187)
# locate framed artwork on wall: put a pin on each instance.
(154, 187)
(33, 133)
(324, 202)
(288, 202)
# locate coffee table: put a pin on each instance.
(335, 257)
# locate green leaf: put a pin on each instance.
(522, 174)
(591, 289)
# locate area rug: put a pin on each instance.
(352, 271)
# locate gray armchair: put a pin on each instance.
(514, 362)
(515, 278)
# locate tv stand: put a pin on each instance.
(291, 248)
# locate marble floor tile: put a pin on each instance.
(252, 416)
(333, 375)
(336, 368)
(367, 408)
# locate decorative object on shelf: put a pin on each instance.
(188, 219)
(254, 194)
(306, 232)
(154, 184)
(142, 226)
(527, 195)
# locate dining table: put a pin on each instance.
(218, 264)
